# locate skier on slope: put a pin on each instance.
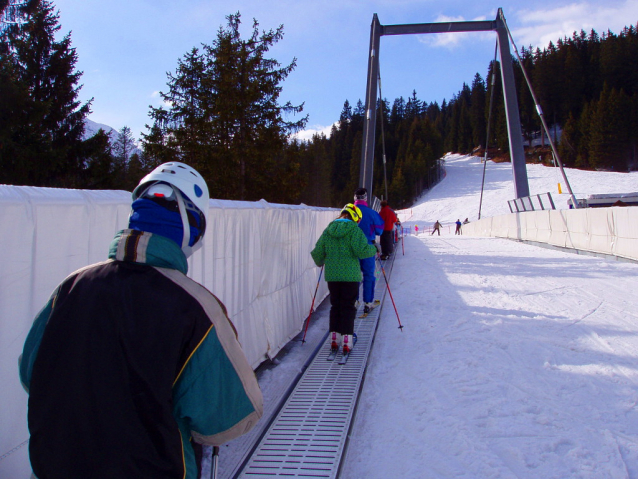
(340, 247)
(372, 226)
(130, 363)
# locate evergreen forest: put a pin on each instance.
(226, 120)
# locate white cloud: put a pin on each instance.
(306, 135)
(156, 96)
(539, 27)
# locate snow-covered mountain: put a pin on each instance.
(91, 128)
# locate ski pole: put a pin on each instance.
(402, 240)
(214, 461)
(388, 286)
(303, 340)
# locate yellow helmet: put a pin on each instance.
(353, 211)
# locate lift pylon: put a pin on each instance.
(517, 153)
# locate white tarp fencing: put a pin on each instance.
(255, 259)
(610, 231)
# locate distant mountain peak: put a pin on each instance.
(91, 128)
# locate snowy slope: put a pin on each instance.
(458, 195)
(515, 362)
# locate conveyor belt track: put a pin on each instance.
(309, 435)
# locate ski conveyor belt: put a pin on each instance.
(308, 437)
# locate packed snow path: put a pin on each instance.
(308, 436)
(516, 362)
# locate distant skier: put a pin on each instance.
(457, 231)
(131, 364)
(416, 230)
(372, 226)
(387, 237)
(340, 248)
(466, 221)
(437, 228)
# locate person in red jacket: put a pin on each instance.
(389, 220)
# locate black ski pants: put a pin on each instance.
(343, 295)
(387, 242)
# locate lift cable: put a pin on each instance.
(381, 105)
(489, 120)
(540, 114)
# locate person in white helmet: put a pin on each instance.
(131, 362)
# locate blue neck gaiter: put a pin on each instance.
(153, 218)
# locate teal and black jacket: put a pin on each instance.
(340, 247)
(128, 362)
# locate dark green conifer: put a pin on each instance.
(42, 144)
(225, 118)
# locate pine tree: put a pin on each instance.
(569, 142)
(123, 148)
(225, 118)
(99, 163)
(529, 120)
(399, 190)
(477, 111)
(42, 143)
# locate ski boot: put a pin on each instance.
(349, 340)
(336, 339)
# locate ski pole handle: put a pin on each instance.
(214, 462)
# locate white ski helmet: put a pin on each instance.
(191, 193)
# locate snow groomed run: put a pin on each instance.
(308, 437)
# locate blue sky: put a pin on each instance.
(125, 48)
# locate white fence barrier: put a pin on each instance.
(255, 259)
(610, 231)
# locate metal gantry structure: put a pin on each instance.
(517, 152)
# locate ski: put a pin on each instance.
(332, 355)
(344, 358)
(374, 305)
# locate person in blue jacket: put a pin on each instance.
(131, 364)
(372, 226)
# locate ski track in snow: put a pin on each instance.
(516, 361)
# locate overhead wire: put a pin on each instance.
(489, 120)
(381, 106)
(540, 114)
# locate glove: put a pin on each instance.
(378, 247)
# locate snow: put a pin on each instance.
(458, 195)
(91, 128)
(515, 361)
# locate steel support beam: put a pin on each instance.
(446, 27)
(514, 131)
(377, 30)
(370, 120)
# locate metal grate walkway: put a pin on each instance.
(308, 436)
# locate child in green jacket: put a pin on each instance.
(340, 247)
